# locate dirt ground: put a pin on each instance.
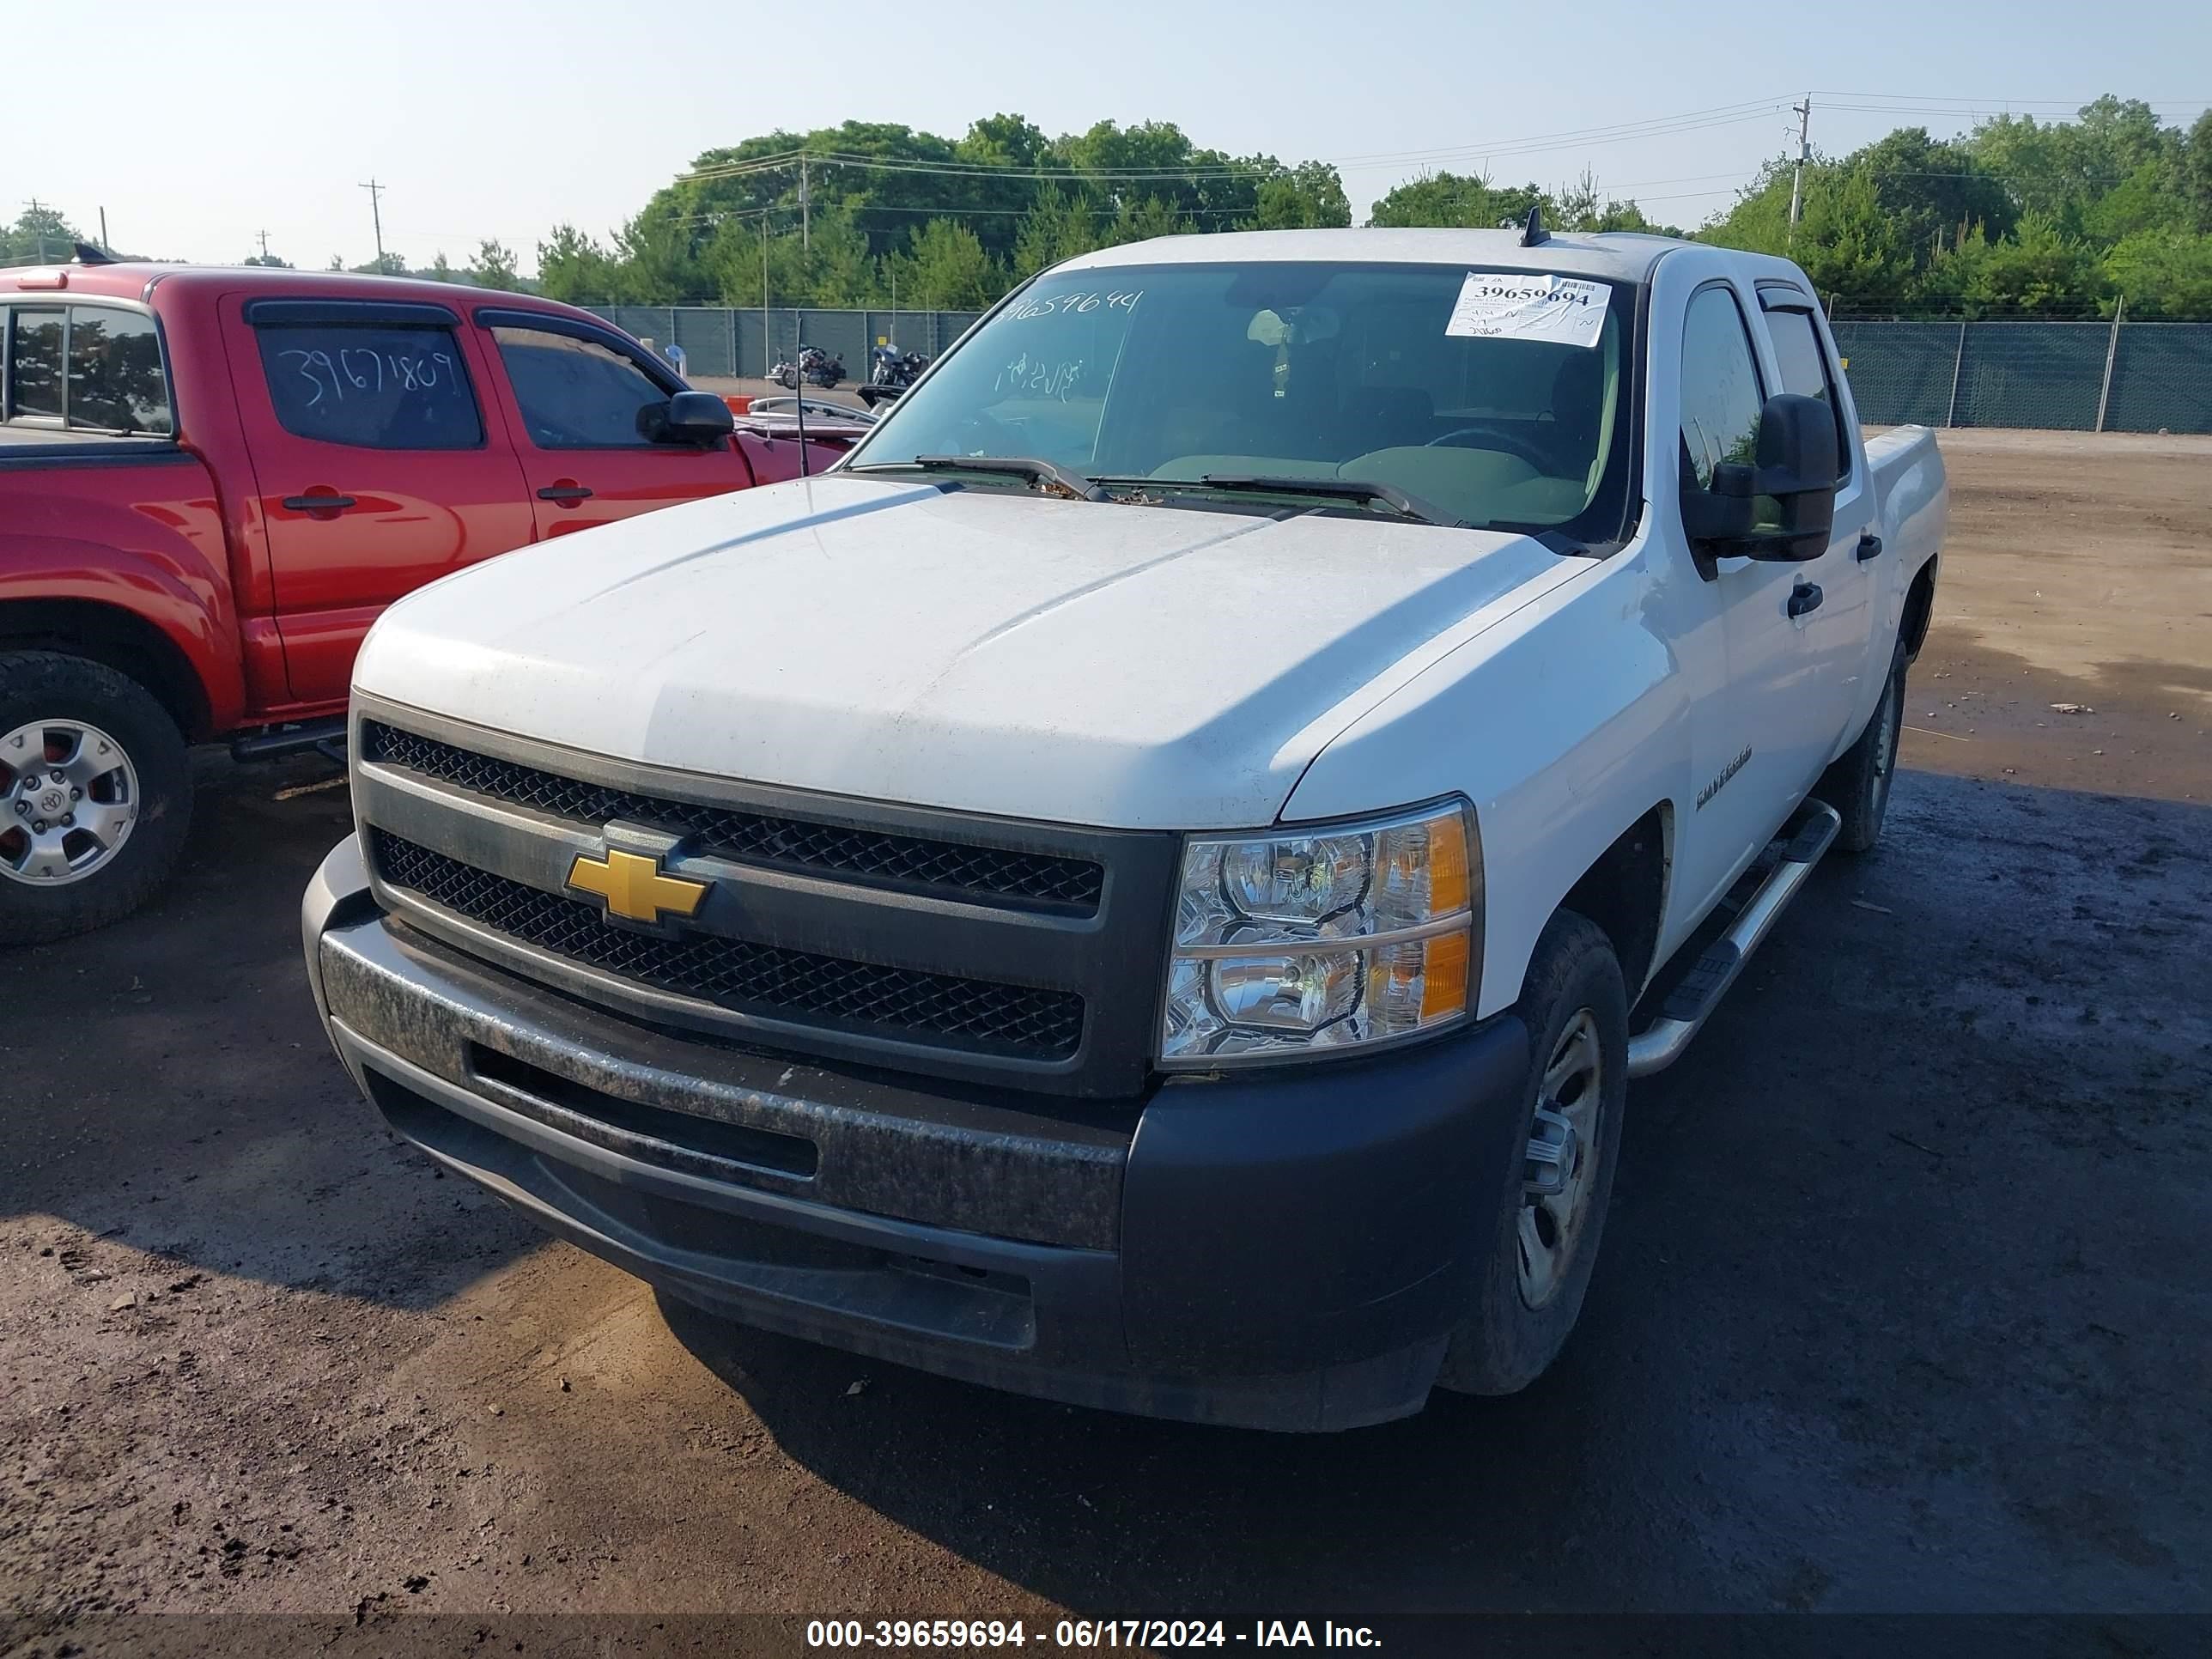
(1903, 1308)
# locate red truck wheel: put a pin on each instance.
(96, 795)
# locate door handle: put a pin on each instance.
(565, 493)
(1869, 547)
(1805, 597)
(319, 503)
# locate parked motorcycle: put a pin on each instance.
(815, 365)
(893, 368)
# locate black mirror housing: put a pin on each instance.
(1796, 466)
(688, 417)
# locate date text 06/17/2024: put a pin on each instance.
(1085, 1633)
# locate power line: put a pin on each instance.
(1619, 132)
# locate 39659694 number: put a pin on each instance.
(1075, 1633)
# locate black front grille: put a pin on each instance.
(1035, 879)
(745, 977)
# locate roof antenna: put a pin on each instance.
(1533, 232)
(87, 254)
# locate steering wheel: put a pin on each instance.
(1511, 443)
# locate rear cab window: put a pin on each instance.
(371, 384)
(94, 368)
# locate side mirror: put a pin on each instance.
(688, 417)
(1796, 467)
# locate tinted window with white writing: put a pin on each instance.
(575, 393)
(115, 378)
(34, 363)
(1805, 369)
(376, 388)
(1721, 394)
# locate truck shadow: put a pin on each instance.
(170, 1088)
(1849, 1345)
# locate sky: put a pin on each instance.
(199, 127)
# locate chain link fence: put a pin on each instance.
(2075, 377)
(720, 343)
(2080, 377)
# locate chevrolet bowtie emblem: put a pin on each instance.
(634, 887)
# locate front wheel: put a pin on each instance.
(787, 379)
(96, 795)
(1537, 1238)
(1857, 784)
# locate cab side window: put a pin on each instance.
(372, 385)
(576, 394)
(1721, 390)
(1804, 368)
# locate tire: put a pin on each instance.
(788, 380)
(1574, 1005)
(127, 822)
(1857, 784)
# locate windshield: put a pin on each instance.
(1493, 397)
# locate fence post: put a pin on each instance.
(2111, 355)
(1959, 362)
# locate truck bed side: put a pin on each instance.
(115, 548)
(1907, 469)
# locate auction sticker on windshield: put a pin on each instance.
(1506, 306)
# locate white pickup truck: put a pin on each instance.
(1147, 883)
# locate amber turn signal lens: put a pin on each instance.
(1448, 871)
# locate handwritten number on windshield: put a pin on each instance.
(1062, 304)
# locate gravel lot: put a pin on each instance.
(1904, 1305)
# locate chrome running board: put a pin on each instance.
(1690, 1004)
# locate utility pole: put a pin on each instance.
(1804, 153)
(104, 243)
(263, 236)
(766, 362)
(39, 227)
(376, 217)
(805, 224)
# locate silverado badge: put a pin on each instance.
(634, 887)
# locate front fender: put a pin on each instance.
(1563, 725)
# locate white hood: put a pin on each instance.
(989, 651)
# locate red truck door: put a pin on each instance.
(574, 392)
(379, 465)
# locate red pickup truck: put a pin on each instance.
(211, 480)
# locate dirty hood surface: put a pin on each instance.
(981, 649)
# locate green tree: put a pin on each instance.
(493, 266)
(1057, 227)
(946, 268)
(38, 236)
(1307, 197)
(1451, 198)
(2162, 273)
(573, 268)
(1141, 220)
(2040, 270)
(2193, 174)
(269, 259)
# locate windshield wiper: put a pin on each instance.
(1341, 489)
(1045, 474)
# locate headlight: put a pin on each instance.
(1321, 940)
